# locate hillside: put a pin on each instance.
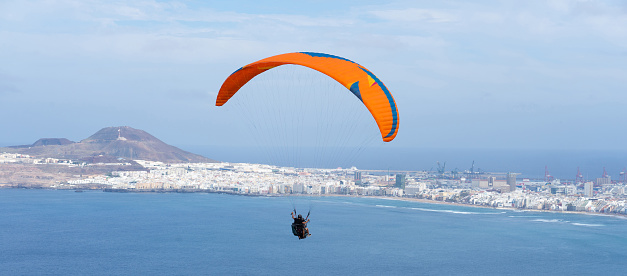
(108, 145)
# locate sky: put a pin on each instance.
(483, 75)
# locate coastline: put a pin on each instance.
(422, 200)
(429, 201)
(409, 199)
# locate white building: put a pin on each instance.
(587, 189)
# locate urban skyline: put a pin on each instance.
(476, 189)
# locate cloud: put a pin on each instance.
(414, 14)
(146, 30)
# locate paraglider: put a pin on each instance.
(360, 81)
(367, 87)
(299, 226)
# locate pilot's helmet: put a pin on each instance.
(300, 216)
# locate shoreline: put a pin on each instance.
(422, 200)
(429, 201)
(409, 199)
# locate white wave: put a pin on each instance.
(551, 220)
(391, 198)
(523, 216)
(603, 215)
(565, 221)
(452, 211)
(587, 224)
(385, 206)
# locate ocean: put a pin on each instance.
(58, 232)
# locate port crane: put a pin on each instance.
(579, 177)
(441, 168)
(547, 176)
(472, 174)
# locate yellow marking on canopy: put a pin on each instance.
(371, 81)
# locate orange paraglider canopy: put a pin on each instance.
(356, 78)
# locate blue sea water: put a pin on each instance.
(53, 232)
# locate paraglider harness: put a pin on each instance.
(299, 228)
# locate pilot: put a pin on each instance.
(300, 222)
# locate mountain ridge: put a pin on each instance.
(110, 144)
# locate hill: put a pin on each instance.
(108, 145)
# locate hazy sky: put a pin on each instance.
(492, 74)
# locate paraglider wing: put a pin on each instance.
(356, 78)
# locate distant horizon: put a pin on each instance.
(562, 163)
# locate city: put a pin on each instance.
(495, 190)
